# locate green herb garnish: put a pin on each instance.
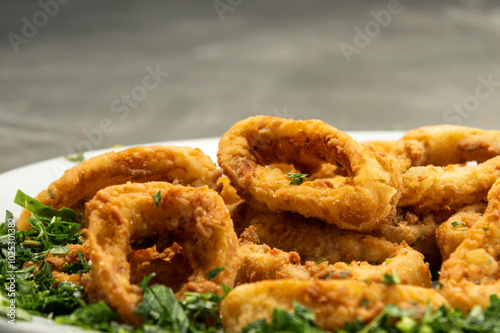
(320, 261)
(157, 199)
(301, 320)
(392, 278)
(81, 266)
(297, 178)
(213, 273)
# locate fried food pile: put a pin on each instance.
(295, 211)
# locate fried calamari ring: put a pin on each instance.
(314, 240)
(451, 233)
(434, 188)
(121, 215)
(471, 274)
(260, 262)
(366, 197)
(381, 146)
(187, 166)
(334, 302)
(441, 145)
(418, 232)
(482, 144)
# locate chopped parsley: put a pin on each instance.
(297, 178)
(442, 320)
(392, 278)
(455, 223)
(157, 199)
(213, 273)
(301, 320)
(81, 266)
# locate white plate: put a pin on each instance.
(33, 178)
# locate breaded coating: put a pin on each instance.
(418, 232)
(183, 165)
(440, 145)
(314, 240)
(434, 188)
(451, 233)
(334, 302)
(121, 215)
(365, 197)
(471, 274)
(260, 262)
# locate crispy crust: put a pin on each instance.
(334, 302)
(187, 166)
(196, 218)
(451, 233)
(470, 276)
(441, 145)
(260, 262)
(365, 197)
(434, 188)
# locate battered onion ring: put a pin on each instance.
(432, 188)
(197, 218)
(187, 166)
(470, 276)
(334, 302)
(367, 196)
(260, 262)
(441, 145)
(451, 233)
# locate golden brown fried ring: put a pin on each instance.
(334, 302)
(121, 215)
(450, 234)
(418, 232)
(482, 144)
(187, 166)
(260, 262)
(432, 188)
(367, 196)
(441, 145)
(242, 215)
(471, 274)
(314, 240)
(227, 191)
(386, 147)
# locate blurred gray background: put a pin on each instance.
(91, 74)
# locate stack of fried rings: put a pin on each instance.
(319, 239)
(431, 164)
